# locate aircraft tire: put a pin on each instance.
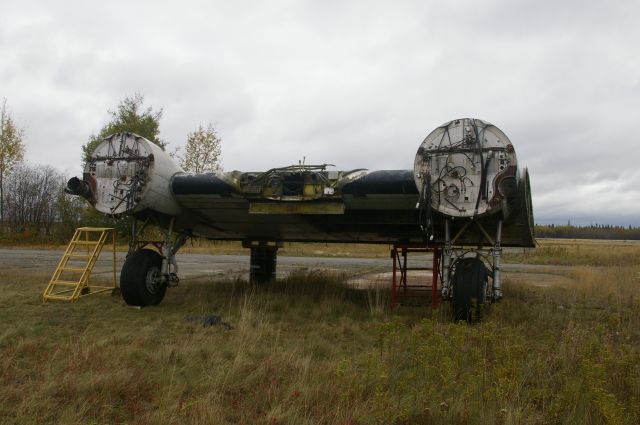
(469, 289)
(138, 277)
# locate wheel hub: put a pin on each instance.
(153, 280)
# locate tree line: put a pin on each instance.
(594, 231)
(33, 203)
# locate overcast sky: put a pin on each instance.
(351, 83)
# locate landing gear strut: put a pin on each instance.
(263, 260)
(466, 272)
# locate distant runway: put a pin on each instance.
(193, 266)
(196, 266)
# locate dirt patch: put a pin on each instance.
(383, 279)
(538, 279)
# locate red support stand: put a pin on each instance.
(400, 287)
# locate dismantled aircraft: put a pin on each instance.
(465, 195)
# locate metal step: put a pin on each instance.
(73, 269)
(65, 283)
(59, 297)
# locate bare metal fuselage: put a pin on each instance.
(464, 199)
(378, 207)
(130, 175)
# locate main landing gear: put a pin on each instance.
(150, 267)
(466, 272)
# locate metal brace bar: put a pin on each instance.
(485, 232)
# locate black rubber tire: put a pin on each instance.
(133, 279)
(469, 289)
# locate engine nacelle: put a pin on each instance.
(127, 174)
(467, 168)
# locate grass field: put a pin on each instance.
(311, 350)
(589, 252)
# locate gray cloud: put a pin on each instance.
(357, 84)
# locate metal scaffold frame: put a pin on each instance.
(400, 287)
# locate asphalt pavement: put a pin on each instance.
(195, 266)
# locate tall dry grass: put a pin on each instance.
(310, 349)
(574, 252)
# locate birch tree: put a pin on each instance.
(11, 150)
(203, 150)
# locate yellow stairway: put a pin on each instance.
(71, 280)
